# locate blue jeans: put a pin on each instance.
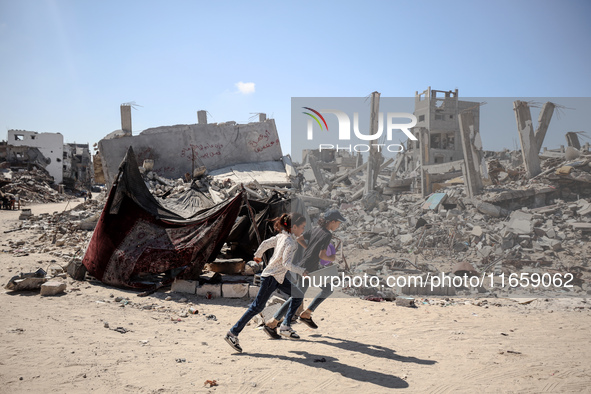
(325, 292)
(268, 285)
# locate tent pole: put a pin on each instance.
(253, 221)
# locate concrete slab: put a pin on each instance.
(52, 287)
(209, 291)
(520, 223)
(234, 290)
(271, 173)
(184, 286)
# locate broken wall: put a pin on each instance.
(177, 150)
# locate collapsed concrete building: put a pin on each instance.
(68, 163)
(240, 152)
(77, 165)
(448, 144)
(28, 149)
(437, 113)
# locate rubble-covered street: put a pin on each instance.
(99, 338)
(201, 197)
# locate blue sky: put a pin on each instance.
(67, 65)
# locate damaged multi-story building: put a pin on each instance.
(77, 166)
(447, 131)
(437, 113)
(29, 149)
(69, 164)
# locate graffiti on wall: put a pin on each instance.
(263, 141)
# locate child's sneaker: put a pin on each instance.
(271, 332)
(233, 341)
(288, 332)
(309, 322)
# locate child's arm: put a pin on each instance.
(302, 241)
(324, 256)
(264, 246)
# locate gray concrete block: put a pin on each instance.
(206, 289)
(184, 286)
(234, 290)
(52, 287)
(253, 291)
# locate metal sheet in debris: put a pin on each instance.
(434, 200)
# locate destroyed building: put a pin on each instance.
(231, 150)
(77, 165)
(30, 149)
(437, 113)
(332, 160)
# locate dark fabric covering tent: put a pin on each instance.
(137, 236)
(243, 238)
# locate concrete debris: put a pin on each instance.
(541, 223)
(52, 287)
(423, 220)
(62, 234)
(33, 186)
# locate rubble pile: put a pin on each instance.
(32, 187)
(63, 234)
(214, 190)
(542, 224)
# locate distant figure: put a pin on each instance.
(12, 201)
(84, 195)
(17, 198)
(89, 195)
(4, 201)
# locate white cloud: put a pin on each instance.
(245, 87)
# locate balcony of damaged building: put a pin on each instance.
(182, 203)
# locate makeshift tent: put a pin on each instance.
(243, 239)
(136, 235)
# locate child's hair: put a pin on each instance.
(322, 222)
(287, 220)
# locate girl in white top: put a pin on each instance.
(288, 226)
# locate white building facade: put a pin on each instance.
(50, 145)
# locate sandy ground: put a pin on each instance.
(88, 341)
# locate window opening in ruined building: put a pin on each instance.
(439, 103)
(32, 137)
(421, 118)
(59, 160)
(438, 117)
(448, 141)
(451, 116)
(439, 159)
(443, 141)
(435, 141)
(19, 137)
